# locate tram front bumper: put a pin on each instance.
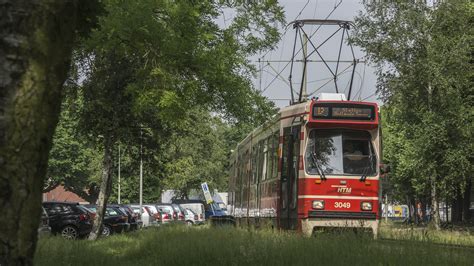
(309, 224)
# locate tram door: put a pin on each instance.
(289, 178)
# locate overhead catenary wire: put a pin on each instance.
(275, 74)
(295, 54)
(281, 54)
(359, 92)
(329, 80)
(373, 94)
(286, 28)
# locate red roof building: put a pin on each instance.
(61, 194)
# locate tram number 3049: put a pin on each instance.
(342, 205)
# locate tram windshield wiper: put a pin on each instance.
(368, 168)
(318, 166)
(364, 174)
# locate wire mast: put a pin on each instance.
(304, 39)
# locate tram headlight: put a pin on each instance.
(318, 204)
(366, 206)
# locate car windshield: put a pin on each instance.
(84, 209)
(111, 212)
(216, 207)
(90, 208)
(339, 152)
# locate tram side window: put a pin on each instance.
(263, 159)
(259, 159)
(269, 156)
(276, 145)
(238, 181)
(284, 161)
(254, 163)
(231, 175)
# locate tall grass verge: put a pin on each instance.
(426, 234)
(229, 246)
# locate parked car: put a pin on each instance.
(198, 208)
(180, 212)
(133, 218)
(138, 213)
(146, 215)
(156, 214)
(44, 229)
(167, 213)
(213, 209)
(190, 217)
(115, 221)
(68, 219)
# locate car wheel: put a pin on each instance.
(69, 232)
(106, 231)
(189, 223)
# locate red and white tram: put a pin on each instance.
(315, 164)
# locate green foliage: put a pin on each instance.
(196, 155)
(423, 54)
(73, 161)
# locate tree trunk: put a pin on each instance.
(435, 206)
(446, 210)
(456, 213)
(36, 39)
(466, 215)
(105, 188)
(412, 208)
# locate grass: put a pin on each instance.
(425, 234)
(229, 246)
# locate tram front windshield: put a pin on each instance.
(340, 152)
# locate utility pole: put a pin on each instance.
(304, 92)
(119, 176)
(141, 170)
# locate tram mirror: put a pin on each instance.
(384, 168)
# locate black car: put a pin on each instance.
(68, 219)
(132, 217)
(115, 221)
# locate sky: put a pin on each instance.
(272, 77)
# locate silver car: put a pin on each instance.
(190, 217)
(198, 209)
(145, 215)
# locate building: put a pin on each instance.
(61, 194)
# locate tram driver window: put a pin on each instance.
(356, 156)
(340, 152)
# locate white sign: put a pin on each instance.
(207, 193)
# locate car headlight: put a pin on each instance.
(318, 204)
(366, 206)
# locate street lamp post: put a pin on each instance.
(141, 170)
(119, 175)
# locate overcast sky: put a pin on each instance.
(276, 87)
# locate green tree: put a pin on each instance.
(423, 57)
(152, 60)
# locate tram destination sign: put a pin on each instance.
(343, 111)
